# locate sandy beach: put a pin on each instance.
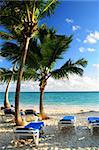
(53, 138)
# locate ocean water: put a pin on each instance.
(55, 98)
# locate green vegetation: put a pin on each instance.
(21, 18)
(37, 49)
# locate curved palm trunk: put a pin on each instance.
(41, 106)
(17, 116)
(6, 100)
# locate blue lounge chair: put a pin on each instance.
(67, 121)
(30, 112)
(93, 122)
(35, 125)
(93, 119)
(32, 129)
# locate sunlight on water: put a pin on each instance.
(55, 98)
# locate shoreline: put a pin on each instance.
(61, 109)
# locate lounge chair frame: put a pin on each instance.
(27, 132)
(7, 117)
(93, 122)
(67, 123)
(92, 126)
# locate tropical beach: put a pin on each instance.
(49, 75)
(53, 138)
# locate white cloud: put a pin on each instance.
(96, 66)
(75, 83)
(79, 40)
(92, 38)
(91, 49)
(30, 86)
(81, 49)
(76, 27)
(69, 20)
(25, 86)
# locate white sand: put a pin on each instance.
(50, 109)
(53, 139)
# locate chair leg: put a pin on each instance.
(75, 129)
(59, 127)
(36, 138)
(91, 130)
(14, 137)
(15, 140)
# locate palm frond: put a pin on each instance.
(53, 49)
(82, 62)
(29, 74)
(11, 52)
(12, 16)
(5, 74)
(45, 32)
(48, 8)
(6, 36)
(34, 54)
(69, 68)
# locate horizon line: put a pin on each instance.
(48, 91)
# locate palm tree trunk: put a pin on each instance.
(6, 100)
(25, 50)
(41, 108)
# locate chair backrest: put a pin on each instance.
(30, 112)
(9, 111)
(68, 118)
(35, 125)
(93, 119)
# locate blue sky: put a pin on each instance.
(80, 18)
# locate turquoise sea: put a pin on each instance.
(55, 98)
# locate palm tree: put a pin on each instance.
(22, 17)
(6, 75)
(52, 47)
(12, 52)
(42, 56)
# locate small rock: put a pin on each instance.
(31, 145)
(3, 147)
(9, 147)
(81, 138)
(12, 142)
(21, 145)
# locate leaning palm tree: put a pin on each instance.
(22, 17)
(12, 52)
(6, 75)
(52, 47)
(68, 68)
